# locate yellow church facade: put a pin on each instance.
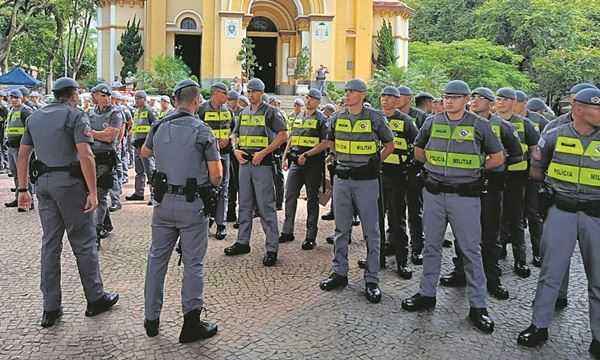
(207, 35)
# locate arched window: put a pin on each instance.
(189, 24)
(262, 24)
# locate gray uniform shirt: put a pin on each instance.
(110, 116)
(274, 121)
(561, 120)
(54, 131)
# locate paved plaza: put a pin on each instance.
(262, 313)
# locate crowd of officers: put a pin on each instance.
(487, 163)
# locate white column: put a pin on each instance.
(100, 40)
(113, 42)
(306, 39)
(400, 45)
(285, 53)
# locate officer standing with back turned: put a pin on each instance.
(357, 132)
(567, 161)
(188, 166)
(65, 175)
(455, 146)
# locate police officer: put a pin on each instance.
(106, 122)
(235, 105)
(165, 107)
(567, 118)
(516, 181)
(60, 134)
(219, 118)
(395, 177)
(187, 163)
(455, 146)
(304, 160)
(414, 195)
(260, 131)
(482, 100)
(143, 119)
(567, 161)
(3, 117)
(357, 132)
(298, 108)
(424, 102)
(15, 127)
(277, 155)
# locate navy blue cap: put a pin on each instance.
(256, 85)
(589, 96)
(485, 93)
(457, 87)
(577, 88)
(390, 91)
(64, 83)
(507, 93)
(219, 86)
(405, 91)
(424, 95)
(184, 84)
(536, 104)
(233, 95)
(15, 93)
(101, 88)
(141, 94)
(315, 94)
(356, 85)
(521, 96)
(244, 99)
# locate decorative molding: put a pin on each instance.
(320, 17)
(389, 8)
(303, 23)
(231, 14)
(122, 3)
(246, 20)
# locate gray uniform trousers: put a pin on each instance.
(561, 231)
(224, 194)
(299, 176)
(117, 190)
(463, 213)
(102, 208)
(176, 218)
(13, 155)
(257, 190)
(144, 167)
(349, 194)
(61, 198)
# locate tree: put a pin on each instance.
(166, 72)
(78, 17)
(247, 59)
(303, 68)
(131, 48)
(385, 46)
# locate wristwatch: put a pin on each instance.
(23, 190)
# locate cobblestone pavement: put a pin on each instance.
(263, 313)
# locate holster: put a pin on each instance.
(210, 198)
(546, 199)
(589, 207)
(292, 157)
(159, 183)
(267, 161)
(473, 189)
(190, 190)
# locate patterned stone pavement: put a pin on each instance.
(274, 313)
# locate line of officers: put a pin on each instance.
(485, 172)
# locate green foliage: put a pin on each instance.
(165, 73)
(247, 58)
(385, 46)
(131, 48)
(442, 20)
(558, 70)
(476, 61)
(303, 68)
(333, 92)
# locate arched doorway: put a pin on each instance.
(188, 42)
(263, 33)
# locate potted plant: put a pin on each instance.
(303, 72)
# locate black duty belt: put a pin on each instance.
(473, 189)
(569, 204)
(356, 174)
(176, 189)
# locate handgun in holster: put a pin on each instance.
(210, 198)
(292, 157)
(546, 199)
(191, 189)
(160, 184)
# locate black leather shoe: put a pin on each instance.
(355, 221)
(362, 264)
(134, 197)
(211, 221)
(595, 349)
(373, 293)
(149, 203)
(447, 244)
(532, 336)
(115, 208)
(221, 232)
(102, 233)
(537, 261)
(453, 279)
(151, 327)
(330, 239)
(416, 259)
(270, 259)
(195, 329)
(309, 244)
(498, 291)
(334, 281)
(561, 303)
(102, 305)
(236, 225)
(328, 217)
(50, 317)
(286, 238)
(404, 272)
(11, 204)
(522, 270)
(237, 249)
(418, 302)
(481, 320)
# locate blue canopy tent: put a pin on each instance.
(18, 77)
